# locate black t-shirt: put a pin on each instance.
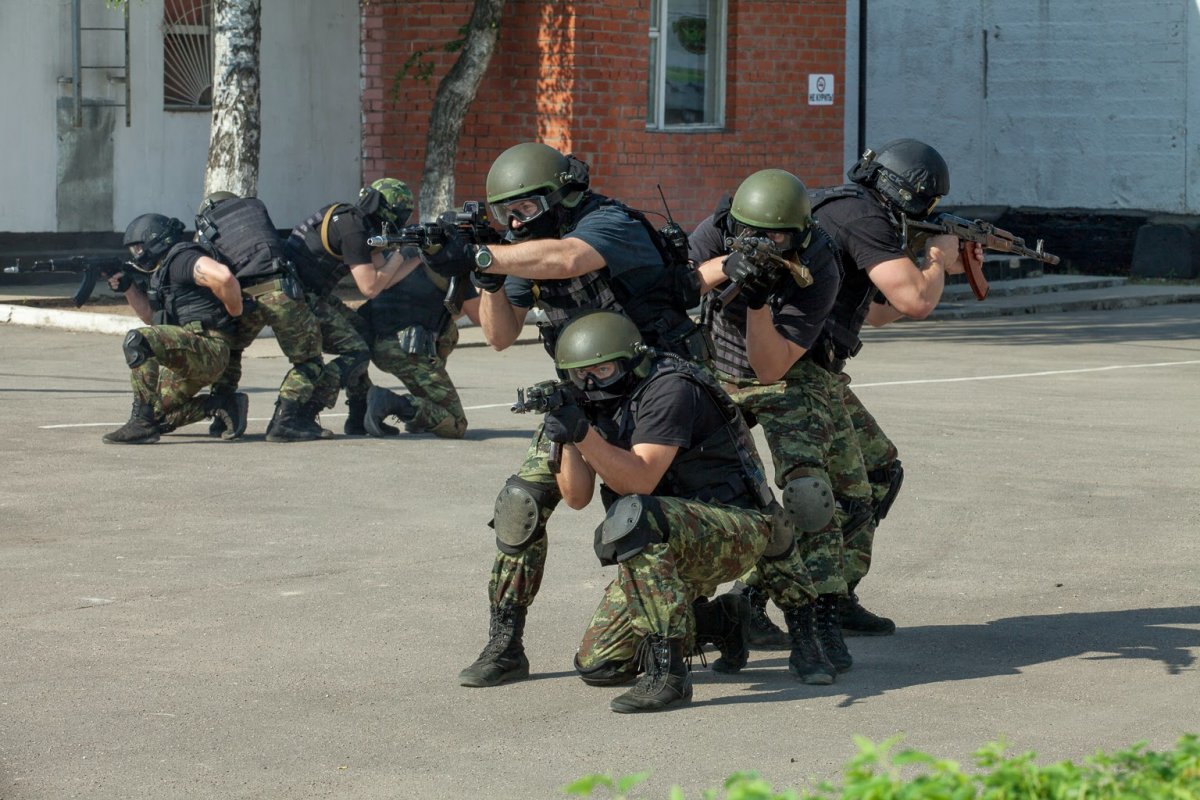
(673, 411)
(866, 235)
(181, 268)
(348, 234)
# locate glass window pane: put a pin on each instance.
(689, 47)
(652, 84)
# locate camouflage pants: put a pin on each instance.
(808, 432)
(295, 330)
(704, 545)
(344, 334)
(438, 408)
(516, 578)
(878, 453)
(185, 360)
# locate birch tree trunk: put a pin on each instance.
(233, 147)
(454, 95)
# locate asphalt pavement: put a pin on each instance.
(199, 618)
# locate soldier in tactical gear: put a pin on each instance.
(772, 357)
(687, 507)
(239, 233)
(567, 250)
(189, 309)
(905, 179)
(412, 333)
(325, 247)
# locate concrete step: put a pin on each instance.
(961, 292)
(1065, 298)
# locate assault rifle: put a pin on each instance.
(472, 220)
(544, 397)
(916, 232)
(767, 261)
(92, 267)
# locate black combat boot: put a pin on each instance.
(503, 658)
(665, 682)
(310, 414)
(142, 427)
(288, 424)
(808, 661)
(764, 634)
(230, 410)
(829, 631)
(383, 403)
(857, 621)
(725, 623)
(354, 419)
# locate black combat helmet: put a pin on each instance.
(910, 175)
(155, 235)
(595, 338)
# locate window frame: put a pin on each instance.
(657, 60)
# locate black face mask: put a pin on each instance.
(544, 227)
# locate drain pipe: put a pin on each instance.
(862, 77)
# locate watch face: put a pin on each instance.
(483, 258)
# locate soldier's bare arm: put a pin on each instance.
(546, 259)
(771, 354)
(216, 277)
(500, 319)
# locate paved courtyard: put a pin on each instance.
(248, 620)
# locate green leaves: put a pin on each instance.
(876, 773)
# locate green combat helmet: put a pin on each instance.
(595, 338)
(534, 171)
(387, 200)
(772, 200)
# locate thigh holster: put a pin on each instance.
(136, 348)
(893, 476)
(632, 523)
(517, 517)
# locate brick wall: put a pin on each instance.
(574, 75)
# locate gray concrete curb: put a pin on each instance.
(79, 321)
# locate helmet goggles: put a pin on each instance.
(521, 209)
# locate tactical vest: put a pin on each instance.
(725, 467)
(244, 238)
(416, 300)
(660, 310)
(180, 304)
(849, 312)
(318, 265)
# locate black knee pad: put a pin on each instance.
(517, 517)
(632, 523)
(136, 348)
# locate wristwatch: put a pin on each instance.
(483, 257)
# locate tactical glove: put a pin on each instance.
(453, 257)
(566, 425)
(488, 281)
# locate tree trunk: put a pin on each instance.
(236, 119)
(450, 104)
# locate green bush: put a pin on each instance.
(875, 774)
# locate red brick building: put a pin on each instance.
(695, 99)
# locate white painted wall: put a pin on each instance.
(1044, 104)
(311, 112)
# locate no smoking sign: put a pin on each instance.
(820, 90)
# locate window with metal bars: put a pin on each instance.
(187, 55)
